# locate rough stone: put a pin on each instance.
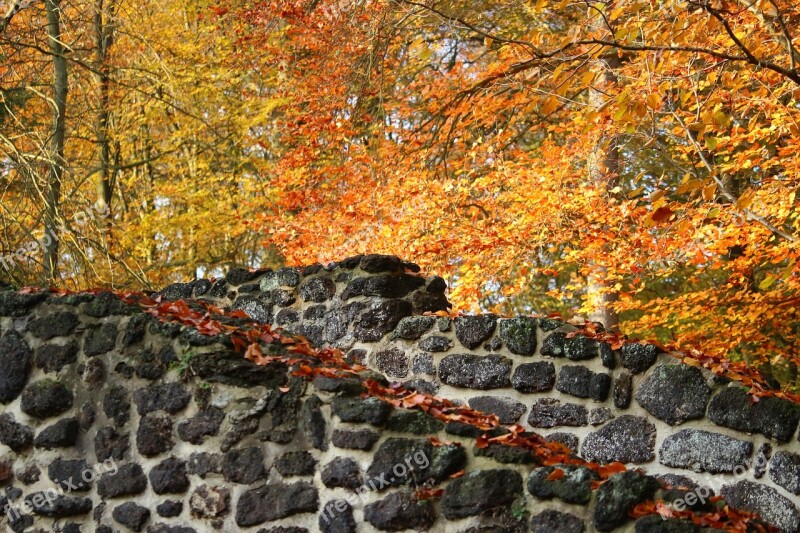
(472, 331)
(623, 390)
(475, 371)
(169, 477)
(627, 439)
(550, 412)
(581, 382)
(578, 348)
(313, 423)
(379, 319)
(154, 434)
(210, 501)
(400, 511)
(422, 462)
(435, 343)
(14, 304)
(479, 492)
(551, 521)
(775, 418)
(618, 495)
(117, 405)
(131, 515)
(383, 286)
(169, 397)
(273, 502)
(519, 335)
(204, 424)
(100, 339)
(355, 439)
(128, 480)
(58, 324)
(415, 422)
(15, 364)
(342, 472)
(413, 327)
(361, 410)
(658, 524)
(703, 451)
(392, 362)
(318, 290)
(674, 393)
(203, 463)
(423, 364)
(575, 486)
(534, 377)
(337, 517)
(46, 398)
(567, 439)
(109, 444)
(54, 357)
(505, 454)
(169, 508)
(259, 308)
(62, 434)
(507, 409)
(16, 436)
(638, 357)
(771, 505)
(607, 356)
(62, 506)
(73, 475)
(784, 470)
(299, 463)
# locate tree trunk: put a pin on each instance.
(56, 155)
(103, 179)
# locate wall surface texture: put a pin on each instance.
(112, 420)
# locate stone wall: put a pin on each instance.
(111, 420)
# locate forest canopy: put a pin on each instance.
(634, 161)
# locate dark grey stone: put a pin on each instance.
(479, 492)
(638, 357)
(400, 511)
(128, 480)
(204, 463)
(599, 416)
(169, 508)
(313, 423)
(674, 393)
(413, 327)
(659, 524)
(355, 439)
(416, 422)
(392, 362)
(784, 470)
(567, 439)
(773, 417)
(577, 348)
(107, 304)
(16, 436)
(14, 304)
(551, 521)
(423, 364)
(472, 331)
(169, 477)
(770, 504)
(337, 517)
(131, 515)
(244, 466)
(342, 472)
(362, 410)
(607, 356)
(154, 434)
(204, 424)
(62, 506)
(421, 385)
(581, 382)
(519, 335)
(15, 364)
(534, 377)
(71, 475)
(54, 357)
(508, 410)
(505, 454)
(421, 460)
(110, 444)
(62, 434)
(575, 486)
(299, 463)
(100, 339)
(58, 324)
(475, 371)
(46, 398)
(286, 317)
(623, 390)
(258, 308)
(383, 286)
(117, 405)
(627, 439)
(618, 495)
(273, 502)
(435, 343)
(703, 451)
(379, 319)
(318, 290)
(549, 412)
(169, 397)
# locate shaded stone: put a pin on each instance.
(607, 356)
(16, 436)
(638, 357)
(355, 439)
(108, 444)
(361, 410)
(46, 398)
(413, 327)
(94, 372)
(60, 506)
(129, 480)
(534, 377)
(210, 501)
(169, 508)
(703, 451)
(475, 371)
(421, 462)
(313, 423)
(575, 486)
(577, 348)
(117, 405)
(318, 290)
(131, 515)
(623, 390)
(374, 263)
(379, 319)
(14, 304)
(480, 491)
(618, 495)
(342, 472)
(392, 362)
(58, 324)
(505, 454)
(300, 463)
(551, 521)
(169, 477)
(203, 463)
(176, 291)
(230, 368)
(336, 323)
(286, 317)
(658, 524)
(627, 439)
(29, 474)
(273, 502)
(549, 412)
(154, 434)
(71, 475)
(567, 439)
(106, 304)
(100, 339)
(169, 397)
(674, 393)
(415, 422)
(775, 418)
(337, 517)
(581, 382)
(435, 343)
(400, 511)
(15, 363)
(54, 357)
(62, 434)
(204, 424)
(784, 470)
(762, 458)
(765, 501)
(472, 331)
(383, 286)
(258, 308)
(423, 386)
(244, 466)
(135, 329)
(508, 410)
(345, 386)
(519, 335)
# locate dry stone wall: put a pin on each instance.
(113, 421)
